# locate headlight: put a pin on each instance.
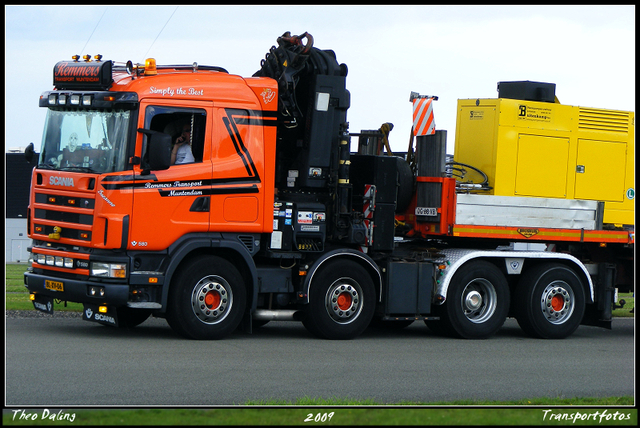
(66, 262)
(109, 270)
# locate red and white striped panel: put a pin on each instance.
(423, 121)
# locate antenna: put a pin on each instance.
(165, 24)
(94, 30)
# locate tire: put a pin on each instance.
(130, 318)
(207, 299)
(477, 302)
(549, 301)
(341, 301)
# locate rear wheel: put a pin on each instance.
(341, 301)
(207, 299)
(477, 303)
(550, 301)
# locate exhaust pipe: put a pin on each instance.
(279, 315)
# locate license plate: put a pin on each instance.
(426, 211)
(53, 285)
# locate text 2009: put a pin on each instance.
(319, 417)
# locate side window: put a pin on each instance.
(186, 127)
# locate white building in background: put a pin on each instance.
(17, 241)
(16, 195)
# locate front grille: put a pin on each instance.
(66, 217)
(73, 215)
(65, 201)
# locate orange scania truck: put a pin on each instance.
(267, 214)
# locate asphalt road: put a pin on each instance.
(70, 362)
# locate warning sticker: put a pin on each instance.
(305, 217)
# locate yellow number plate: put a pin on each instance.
(53, 285)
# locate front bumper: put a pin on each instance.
(74, 290)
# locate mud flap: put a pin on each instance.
(92, 313)
(599, 313)
(43, 304)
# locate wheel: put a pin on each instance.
(207, 299)
(341, 301)
(477, 303)
(550, 301)
(129, 318)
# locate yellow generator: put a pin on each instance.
(528, 144)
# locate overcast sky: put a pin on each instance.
(450, 51)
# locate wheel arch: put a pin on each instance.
(344, 253)
(511, 263)
(229, 249)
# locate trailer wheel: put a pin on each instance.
(207, 299)
(550, 301)
(341, 301)
(477, 303)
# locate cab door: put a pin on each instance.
(174, 202)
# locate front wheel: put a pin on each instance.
(477, 302)
(207, 299)
(341, 301)
(550, 301)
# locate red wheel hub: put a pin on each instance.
(557, 303)
(212, 299)
(344, 301)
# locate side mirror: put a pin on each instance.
(158, 153)
(29, 152)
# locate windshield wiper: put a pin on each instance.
(46, 166)
(78, 168)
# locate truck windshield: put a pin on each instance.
(85, 140)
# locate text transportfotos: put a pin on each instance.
(599, 416)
